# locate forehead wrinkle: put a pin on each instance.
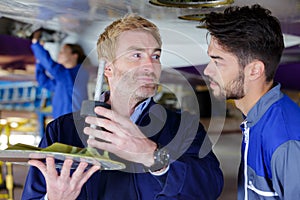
(135, 48)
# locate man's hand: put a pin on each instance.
(36, 36)
(63, 186)
(120, 136)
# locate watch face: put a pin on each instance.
(161, 159)
(163, 156)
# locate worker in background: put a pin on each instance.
(59, 77)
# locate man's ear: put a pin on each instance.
(255, 69)
(108, 69)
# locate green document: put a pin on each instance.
(21, 153)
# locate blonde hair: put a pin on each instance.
(106, 44)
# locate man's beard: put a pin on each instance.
(130, 84)
(145, 91)
(235, 88)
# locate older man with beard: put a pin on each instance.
(159, 147)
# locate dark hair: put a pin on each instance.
(77, 49)
(249, 33)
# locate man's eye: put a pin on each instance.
(156, 57)
(137, 55)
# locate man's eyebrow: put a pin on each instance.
(215, 57)
(157, 49)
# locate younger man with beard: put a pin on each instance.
(245, 49)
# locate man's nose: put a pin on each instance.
(208, 71)
(149, 64)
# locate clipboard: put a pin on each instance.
(21, 153)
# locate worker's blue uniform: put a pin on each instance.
(69, 86)
(190, 176)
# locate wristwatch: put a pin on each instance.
(161, 159)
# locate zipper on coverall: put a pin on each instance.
(246, 140)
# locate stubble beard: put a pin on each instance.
(232, 90)
(136, 91)
(145, 91)
(235, 89)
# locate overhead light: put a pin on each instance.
(14, 124)
(191, 3)
(3, 122)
